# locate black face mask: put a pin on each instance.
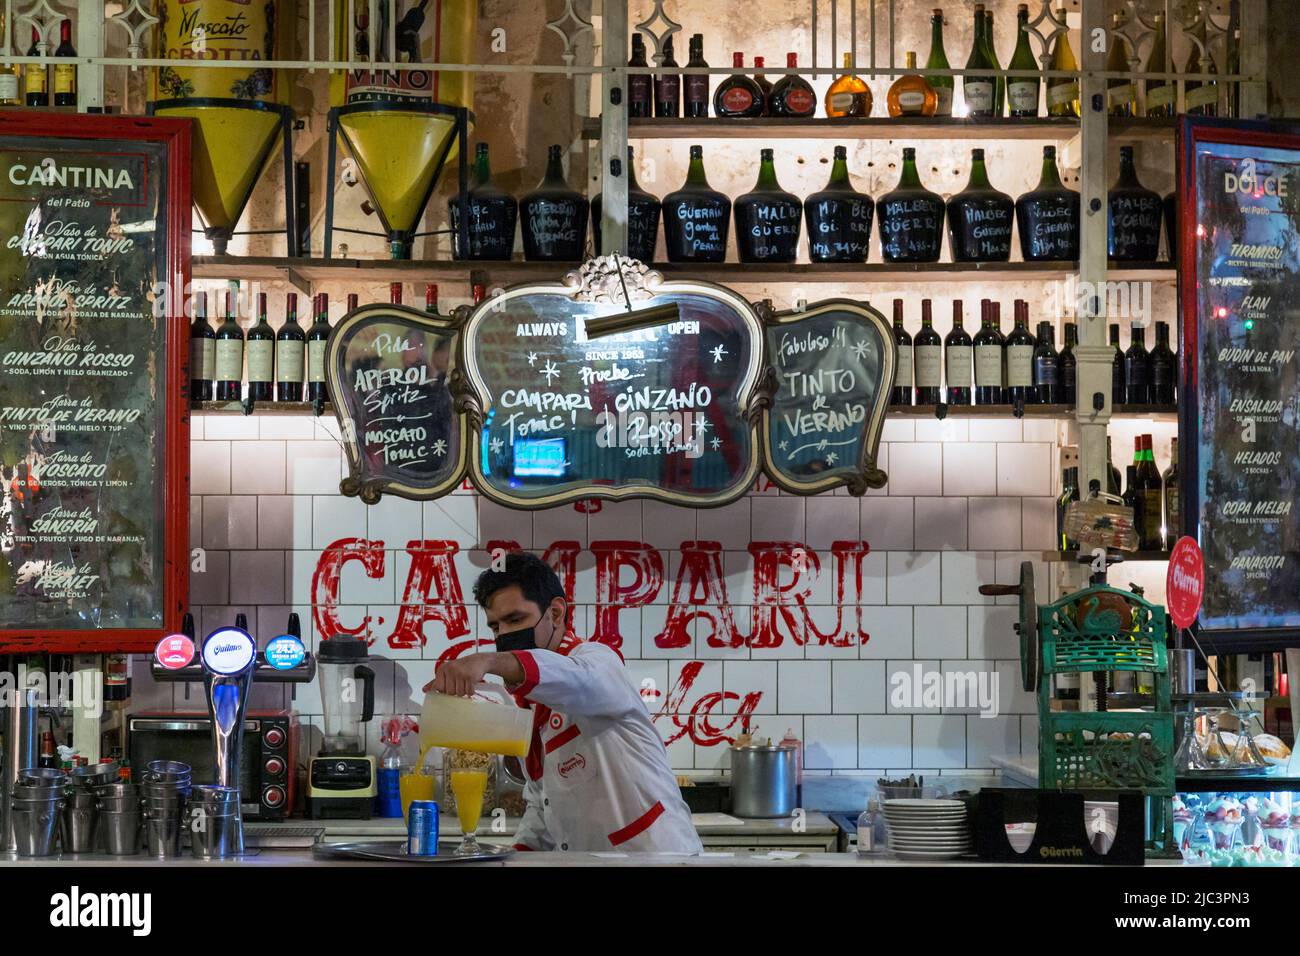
(524, 639)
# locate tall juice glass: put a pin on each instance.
(468, 786)
(416, 783)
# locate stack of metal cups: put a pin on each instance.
(216, 830)
(120, 817)
(166, 790)
(35, 805)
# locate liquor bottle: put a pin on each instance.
(1201, 98)
(1116, 368)
(668, 86)
(1063, 91)
(1130, 493)
(36, 77)
(230, 355)
(642, 218)
(1150, 497)
(1047, 367)
(317, 338)
(1137, 369)
(958, 359)
(791, 95)
(1121, 91)
(1022, 91)
(640, 87)
(767, 218)
(1069, 493)
(1164, 368)
(910, 95)
(1069, 365)
(1171, 226)
(849, 95)
(203, 351)
(478, 292)
(696, 217)
(1112, 473)
(1020, 353)
(911, 218)
(1133, 228)
(48, 758)
(988, 359)
(493, 214)
(764, 84)
(979, 89)
(65, 74)
(838, 217)
(927, 352)
(290, 353)
(991, 57)
(431, 298)
(395, 293)
(903, 370)
(8, 75)
(554, 216)
(980, 218)
(261, 356)
(695, 92)
(1160, 94)
(739, 95)
(1047, 217)
(938, 60)
(1173, 503)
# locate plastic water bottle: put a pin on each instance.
(388, 800)
(867, 829)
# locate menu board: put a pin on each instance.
(93, 395)
(1240, 186)
(388, 369)
(834, 365)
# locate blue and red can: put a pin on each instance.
(422, 828)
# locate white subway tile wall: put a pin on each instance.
(832, 616)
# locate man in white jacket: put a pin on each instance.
(598, 774)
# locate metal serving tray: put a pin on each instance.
(395, 852)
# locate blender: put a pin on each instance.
(341, 779)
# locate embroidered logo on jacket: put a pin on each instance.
(572, 765)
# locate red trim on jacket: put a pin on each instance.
(541, 713)
(531, 674)
(637, 826)
(562, 738)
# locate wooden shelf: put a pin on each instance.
(1129, 556)
(260, 408)
(1160, 412)
(1042, 128)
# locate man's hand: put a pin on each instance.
(458, 677)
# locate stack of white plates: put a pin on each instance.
(928, 829)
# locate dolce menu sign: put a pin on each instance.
(1240, 184)
(93, 399)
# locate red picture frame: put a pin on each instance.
(48, 128)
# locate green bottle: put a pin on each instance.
(942, 85)
(979, 90)
(991, 55)
(1022, 91)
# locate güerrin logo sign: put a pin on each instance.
(75, 909)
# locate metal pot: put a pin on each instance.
(763, 781)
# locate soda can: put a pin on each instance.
(422, 828)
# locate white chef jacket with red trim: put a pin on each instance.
(598, 773)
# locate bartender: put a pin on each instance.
(598, 774)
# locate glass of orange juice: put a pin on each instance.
(468, 784)
(416, 783)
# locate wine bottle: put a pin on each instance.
(911, 218)
(260, 346)
(1121, 92)
(8, 75)
(1116, 368)
(849, 95)
(1130, 492)
(668, 86)
(910, 95)
(36, 77)
(554, 217)
(1232, 54)
(979, 89)
(902, 394)
(988, 359)
(695, 93)
(1164, 368)
(1201, 98)
(791, 95)
(764, 85)
(995, 313)
(478, 292)
(203, 351)
(739, 96)
(352, 301)
(1047, 217)
(696, 217)
(1047, 367)
(431, 298)
(991, 57)
(1023, 91)
(290, 352)
(1137, 369)
(838, 217)
(493, 214)
(1063, 91)
(1150, 497)
(395, 293)
(980, 218)
(642, 218)
(927, 352)
(640, 88)
(1173, 504)
(1160, 94)
(230, 355)
(1112, 473)
(958, 359)
(317, 338)
(65, 74)
(1133, 229)
(1171, 226)
(938, 60)
(767, 218)
(1020, 357)
(1069, 366)
(1069, 493)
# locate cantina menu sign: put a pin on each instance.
(1243, 285)
(92, 437)
(611, 384)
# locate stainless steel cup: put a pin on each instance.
(77, 826)
(163, 832)
(216, 827)
(42, 777)
(36, 825)
(121, 829)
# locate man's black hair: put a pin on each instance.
(538, 582)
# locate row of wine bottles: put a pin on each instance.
(1019, 367)
(985, 94)
(35, 81)
(769, 221)
(1154, 498)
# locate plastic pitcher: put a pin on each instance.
(489, 721)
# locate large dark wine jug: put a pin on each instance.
(696, 217)
(911, 218)
(838, 217)
(492, 215)
(1047, 217)
(642, 218)
(554, 217)
(768, 218)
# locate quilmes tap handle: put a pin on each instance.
(241, 621)
(187, 625)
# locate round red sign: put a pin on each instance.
(174, 652)
(1185, 582)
